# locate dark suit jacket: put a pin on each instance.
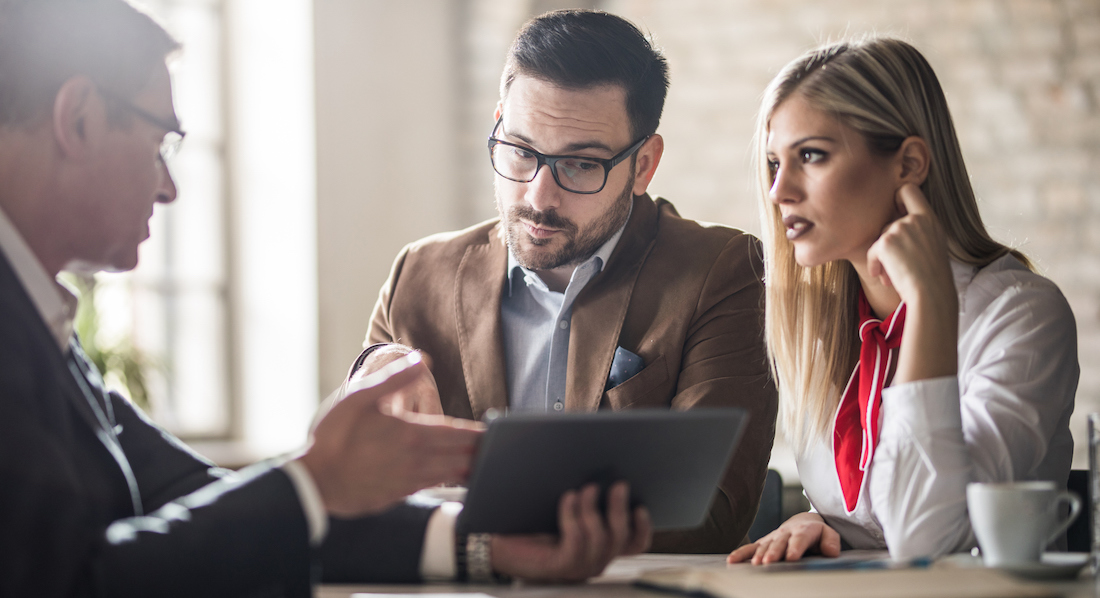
(97, 500)
(685, 297)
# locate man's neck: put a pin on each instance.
(40, 244)
(25, 192)
(557, 279)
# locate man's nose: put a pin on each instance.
(166, 193)
(543, 192)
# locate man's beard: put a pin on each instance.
(579, 245)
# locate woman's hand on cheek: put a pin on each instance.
(805, 532)
(911, 254)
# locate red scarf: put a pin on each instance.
(857, 418)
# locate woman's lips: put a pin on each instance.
(796, 226)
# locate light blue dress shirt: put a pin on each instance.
(536, 323)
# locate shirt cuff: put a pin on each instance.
(923, 405)
(437, 562)
(310, 497)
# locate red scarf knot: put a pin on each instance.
(855, 431)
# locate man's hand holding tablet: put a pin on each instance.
(367, 455)
(586, 541)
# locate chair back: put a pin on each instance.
(1079, 536)
(770, 513)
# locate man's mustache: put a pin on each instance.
(549, 218)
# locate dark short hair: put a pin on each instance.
(578, 49)
(44, 43)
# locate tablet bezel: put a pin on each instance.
(673, 461)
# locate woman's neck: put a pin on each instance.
(883, 299)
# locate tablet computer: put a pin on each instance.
(673, 461)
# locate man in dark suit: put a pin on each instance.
(96, 500)
(586, 293)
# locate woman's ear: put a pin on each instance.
(914, 158)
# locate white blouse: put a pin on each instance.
(1005, 417)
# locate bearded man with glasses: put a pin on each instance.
(586, 293)
(96, 499)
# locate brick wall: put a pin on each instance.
(1023, 82)
(1022, 78)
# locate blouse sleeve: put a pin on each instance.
(1004, 418)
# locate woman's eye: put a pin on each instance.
(773, 167)
(812, 156)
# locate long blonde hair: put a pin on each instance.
(884, 89)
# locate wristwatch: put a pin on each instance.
(474, 559)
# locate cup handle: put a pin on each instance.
(1074, 510)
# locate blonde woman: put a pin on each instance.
(913, 353)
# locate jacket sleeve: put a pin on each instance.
(997, 421)
(208, 531)
(241, 535)
(381, 328)
(383, 548)
(250, 523)
(725, 365)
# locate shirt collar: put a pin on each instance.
(517, 272)
(54, 302)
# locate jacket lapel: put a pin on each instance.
(18, 305)
(94, 396)
(68, 372)
(478, 288)
(600, 310)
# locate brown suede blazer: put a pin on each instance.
(685, 297)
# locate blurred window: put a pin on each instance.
(171, 313)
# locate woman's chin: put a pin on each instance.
(807, 260)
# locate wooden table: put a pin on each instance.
(616, 582)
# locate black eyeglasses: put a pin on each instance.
(576, 174)
(173, 137)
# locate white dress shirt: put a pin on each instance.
(1004, 418)
(55, 302)
(536, 323)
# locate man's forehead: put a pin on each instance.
(156, 96)
(533, 106)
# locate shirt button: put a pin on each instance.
(563, 324)
(558, 406)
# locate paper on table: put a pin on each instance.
(743, 582)
(455, 595)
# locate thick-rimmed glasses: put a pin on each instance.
(173, 136)
(576, 174)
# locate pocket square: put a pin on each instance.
(624, 366)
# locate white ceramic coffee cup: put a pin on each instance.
(1015, 521)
